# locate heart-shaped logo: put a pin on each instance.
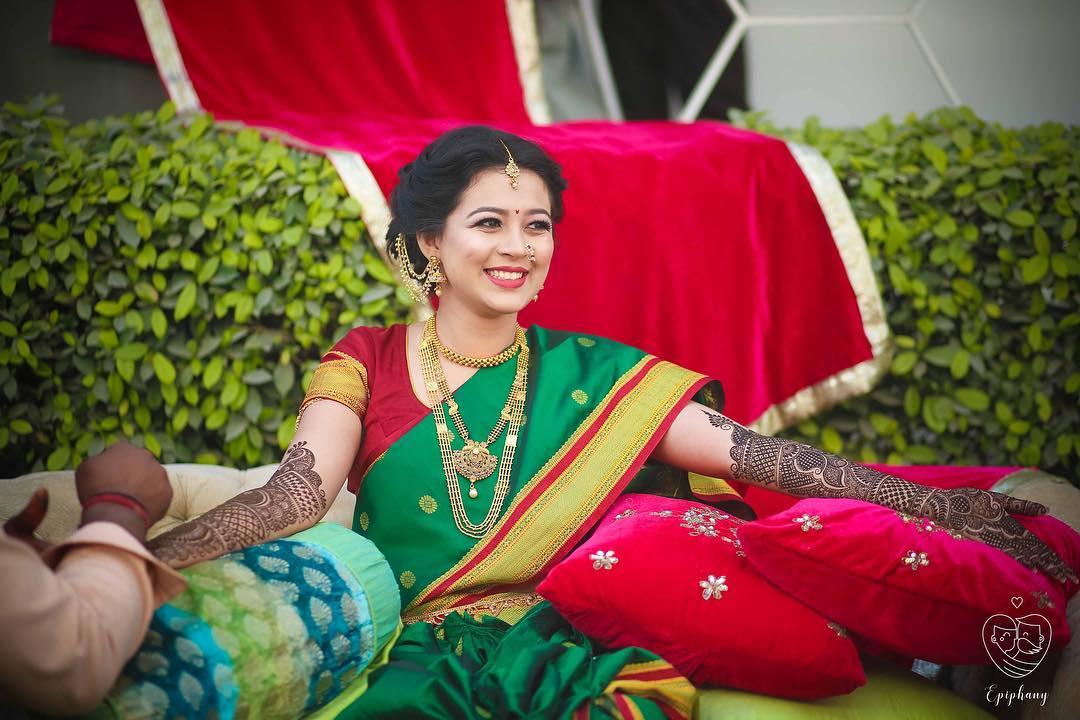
(1017, 601)
(1016, 645)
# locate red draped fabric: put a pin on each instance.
(105, 26)
(700, 243)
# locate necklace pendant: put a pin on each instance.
(474, 461)
(472, 491)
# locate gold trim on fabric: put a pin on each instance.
(530, 543)
(860, 378)
(677, 692)
(522, 18)
(708, 485)
(342, 380)
(509, 607)
(374, 209)
(166, 52)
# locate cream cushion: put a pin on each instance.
(196, 489)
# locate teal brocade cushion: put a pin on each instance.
(277, 630)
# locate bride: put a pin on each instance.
(481, 453)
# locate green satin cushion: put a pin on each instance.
(890, 693)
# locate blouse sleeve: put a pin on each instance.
(341, 377)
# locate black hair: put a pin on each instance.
(431, 186)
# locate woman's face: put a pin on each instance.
(483, 244)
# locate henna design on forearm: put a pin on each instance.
(798, 469)
(292, 496)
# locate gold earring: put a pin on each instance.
(537, 295)
(435, 277)
(415, 283)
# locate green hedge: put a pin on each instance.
(972, 232)
(170, 284)
(175, 285)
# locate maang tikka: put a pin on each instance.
(511, 170)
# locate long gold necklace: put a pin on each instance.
(474, 461)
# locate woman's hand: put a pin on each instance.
(984, 515)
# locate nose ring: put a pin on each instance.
(532, 253)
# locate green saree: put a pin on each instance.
(479, 641)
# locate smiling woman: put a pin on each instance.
(481, 454)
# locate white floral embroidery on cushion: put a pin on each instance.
(702, 521)
(915, 560)
(713, 586)
(628, 512)
(603, 559)
(809, 522)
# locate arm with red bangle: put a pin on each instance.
(73, 613)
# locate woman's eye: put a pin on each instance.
(490, 222)
(542, 225)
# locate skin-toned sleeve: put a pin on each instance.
(69, 630)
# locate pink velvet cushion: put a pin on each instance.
(906, 583)
(670, 576)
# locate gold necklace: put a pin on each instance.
(474, 461)
(477, 362)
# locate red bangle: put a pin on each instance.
(119, 499)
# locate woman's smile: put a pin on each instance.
(507, 277)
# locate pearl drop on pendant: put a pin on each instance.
(472, 492)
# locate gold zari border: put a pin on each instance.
(521, 16)
(166, 53)
(496, 605)
(858, 379)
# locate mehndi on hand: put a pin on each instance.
(984, 515)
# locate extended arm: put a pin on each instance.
(709, 443)
(296, 497)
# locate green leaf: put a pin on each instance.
(58, 459)
(831, 442)
(1034, 269)
(1020, 218)
(257, 377)
(973, 398)
(960, 364)
(882, 424)
(903, 362)
(117, 194)
(216, 419)
(158, 323)
(185, 302)
(131, 351)
(935, 155)
(164, 369)
(941, 356)
(185, 209)
(20, 426)
(212, 372)
(285, 432)
(912, 401)
(284, 378)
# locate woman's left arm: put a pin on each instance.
(706, 442)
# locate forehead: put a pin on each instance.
(491, 187)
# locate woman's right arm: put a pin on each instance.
(296, 496)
